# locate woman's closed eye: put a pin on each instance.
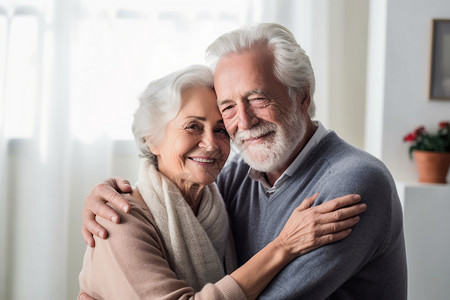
(194, 127)
(221, 131)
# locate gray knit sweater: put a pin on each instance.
(369, 264)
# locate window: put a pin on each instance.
(19, 69)
(100, 54)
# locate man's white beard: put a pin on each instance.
(272, 155)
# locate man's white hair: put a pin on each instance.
(292, 66)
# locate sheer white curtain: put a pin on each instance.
(70, 71)
(45, 168)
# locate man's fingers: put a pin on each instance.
(84, 296)
(103, 210)
(87, 237)
(122, 184)
(108, 193)
(91, 225)
(95, 204)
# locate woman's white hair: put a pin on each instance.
(160, 103)
(292, 66)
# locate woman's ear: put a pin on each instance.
(153, 148)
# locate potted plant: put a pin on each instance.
(431, 152)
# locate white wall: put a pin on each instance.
(398, 79)
(334, 35)
(347, 52)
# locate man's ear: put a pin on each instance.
(303, 102)
(307, 96)
(305, 99)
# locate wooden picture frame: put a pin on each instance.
(440, 60)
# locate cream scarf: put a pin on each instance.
(200, 248)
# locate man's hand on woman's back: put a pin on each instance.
(95, 204)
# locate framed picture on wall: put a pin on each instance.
(440, 60)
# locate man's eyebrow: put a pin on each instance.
(256, 91)
(225, 101)
(252, 92)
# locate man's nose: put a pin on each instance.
(246, 117)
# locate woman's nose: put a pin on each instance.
(208, 142)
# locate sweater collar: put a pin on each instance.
(320, 133)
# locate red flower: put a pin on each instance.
(419, 130)
(410, 137)
(444, 124)
(421, 139)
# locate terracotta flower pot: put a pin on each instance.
(432, 166)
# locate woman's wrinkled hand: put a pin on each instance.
(309, 228)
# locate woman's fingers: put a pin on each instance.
(334, 210)
(308, 202)
(342, 213)
(338, 203)
(311, 227)
(326, 234)
(331, 238)
(335, 227)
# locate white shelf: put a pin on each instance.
(426, 218)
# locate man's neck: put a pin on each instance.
(272, 177)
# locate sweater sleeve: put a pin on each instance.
(372, 254)
(132, 264)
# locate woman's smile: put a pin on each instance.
(196, 144)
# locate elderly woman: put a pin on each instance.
(175, 243)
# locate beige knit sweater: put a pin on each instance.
(133, 264)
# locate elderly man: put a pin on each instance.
(265, 84)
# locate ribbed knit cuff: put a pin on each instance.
(230, 289)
